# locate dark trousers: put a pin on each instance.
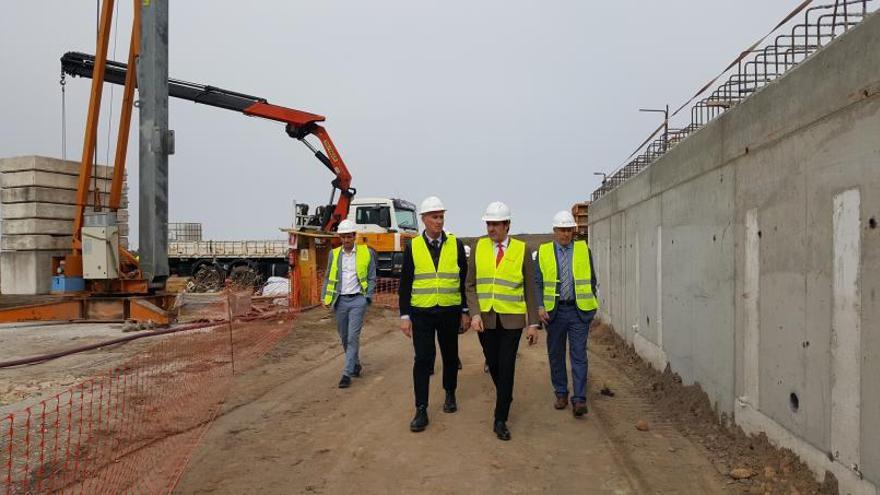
(499, 348)
(425, 325)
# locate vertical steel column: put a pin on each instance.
(156, 142)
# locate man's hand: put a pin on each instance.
(532, 334)
(477, 324)
(465, 323)
(406, 327)
(543, 316)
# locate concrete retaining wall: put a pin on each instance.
(748, 260)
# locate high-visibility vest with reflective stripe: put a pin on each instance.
(435, 287)
(500, 288)
(581, 273)
(362, 262)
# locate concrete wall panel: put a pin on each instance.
(768, 267)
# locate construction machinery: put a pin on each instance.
(96, 265)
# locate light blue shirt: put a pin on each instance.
(566, 290)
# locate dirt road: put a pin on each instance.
(286, 428)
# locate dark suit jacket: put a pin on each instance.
(509, 321)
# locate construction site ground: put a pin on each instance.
(286, 428)
(25, 385)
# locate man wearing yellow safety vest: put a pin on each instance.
(432, 302)
(567, 297)
(349, 283)
(500, 294)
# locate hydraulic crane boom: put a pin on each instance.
(299, 124)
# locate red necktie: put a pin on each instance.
(500, 254)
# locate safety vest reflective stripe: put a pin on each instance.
(440, 285)
(500, 281)
(427, 276)
(441, 290)
(501, 297)
(500, 288)
(362, 264)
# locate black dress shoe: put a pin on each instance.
(357, 371)
(420, 421)
(345, 381)
(501, 430)
(449, 406)
(459, 363)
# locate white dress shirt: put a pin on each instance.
(350, 284)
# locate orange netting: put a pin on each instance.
(133, 428)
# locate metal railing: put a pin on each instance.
(755, 68)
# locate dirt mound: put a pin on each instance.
(753, 464)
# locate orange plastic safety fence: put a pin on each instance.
(386, 292)
(133, 428)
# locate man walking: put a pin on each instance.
(500, 294)
(349, 282)
(432, 302)
(568, 301)
(431, 298)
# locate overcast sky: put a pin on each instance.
(473, 101)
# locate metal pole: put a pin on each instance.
(156, 142)
(666, 129)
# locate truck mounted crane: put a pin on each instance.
(299, 125)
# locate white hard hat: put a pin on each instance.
(563, 219)
(496, 212)
(346, 227)
(431, 203)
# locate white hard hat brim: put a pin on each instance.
(487, 218)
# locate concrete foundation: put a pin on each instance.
(39, 202)
(35, 242)
(49, 195)
(51, 211)
(29, 226)
(747, 258)
(26, 272)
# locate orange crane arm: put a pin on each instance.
(299, 124)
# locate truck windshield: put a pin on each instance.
(406, 219)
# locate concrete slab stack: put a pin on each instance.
(38, 199)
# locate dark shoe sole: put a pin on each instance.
(505, 437)
(416, 429)
(450, 408)
(344, 385)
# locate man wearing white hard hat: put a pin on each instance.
(433, 306)
(566, 284)
(500, 293)
(349, 282)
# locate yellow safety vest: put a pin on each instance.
(580, 269)
(500, 288)
(362, 261)
(435, 287)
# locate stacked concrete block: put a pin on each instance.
(38, 199)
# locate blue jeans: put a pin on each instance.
(567, 325)
(349, 321)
